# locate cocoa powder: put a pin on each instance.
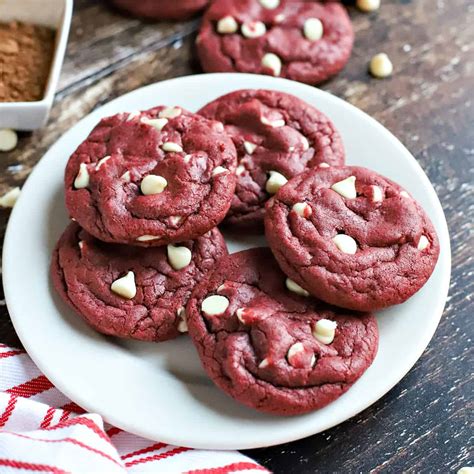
(26, 53)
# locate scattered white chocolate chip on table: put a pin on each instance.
(275, 182)
(345, 243)
(295, 288)
(153, 184)
(125, 286)
(8, 139)
(82, 178)
(9, 199)
(380, 66)
(324, 331)
(214, 305)
(313, 29)
(273, 62)
(227, 25)
(368, 6)
(346, 188)
(178, 257)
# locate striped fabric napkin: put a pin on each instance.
(42, 431)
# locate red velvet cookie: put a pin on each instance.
(299, 40)
(351, 237)
(161, 9)
(151, 178)
(129, 291)
(277, 136)
(271, 348)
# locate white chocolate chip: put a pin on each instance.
(240, 315)
(346, 188)
(9, 199)
(381, 66)
(175, 220)
(423, 243)
(270, 4)
(171, 147)
(295, 288)
(324, 331)
(170, 112)
(219, 170)
(8, 139)
(221, 288)
(253, 29)
(132, 115)
(125, 286)
(240, 170)
(158, 123)
(182, 325)
(81, 244)
(303, 209)
(305, 143)
(345, 243)
(153, 184)
(275, 182)
(265, 363)
(323, 165)
(280, 18)
(126, 176)
(214, 305)
(272, 123)
(82, 178)
(404, 194)
(313, 29)
(102, 162)
(249, 147)
(294, 350)
(273, 62)
(179, 257)
(368, 5)
(187, 158)
(466, 470)
(147, 238)
(227, 25)
(377, 195)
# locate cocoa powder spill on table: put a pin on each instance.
(26, 53)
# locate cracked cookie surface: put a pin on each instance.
(272, 132)
(84, 270)
(351, 237)
(259, 341)
(299, 40)
(189, 165)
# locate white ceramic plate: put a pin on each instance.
(160, 391)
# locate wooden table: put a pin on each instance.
(423, 424)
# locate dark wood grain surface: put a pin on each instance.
(425, 423)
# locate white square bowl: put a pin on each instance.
(55, 14)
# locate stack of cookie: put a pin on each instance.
(284, 330)
(303, 40)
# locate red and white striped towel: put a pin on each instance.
(42, 431)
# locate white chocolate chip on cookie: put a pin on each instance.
(175, 220)
(125, 286)
(153, 184)
(270, 4)
(178, 257)
(82, 178)
(183, 324)
(303, 209)
(313, 29)
(249, 147)
(272, 123)
(8, 139)
(102, 162)
(214, 305)
(253, 29)
(293, 352)
(9, 199)
(219, 170)
(158, 123)
(170, 112)
(295, 288)
(264, 363)
(126, 177)
(324, 331)
(171, 147)
(346, 188)
(305, 143)
(377, 195)
(423, 243)
(404, 194)
(227, 25)
(147, 238)
(273, 62)
(323, 165)
(275, 182)
(345, 243)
